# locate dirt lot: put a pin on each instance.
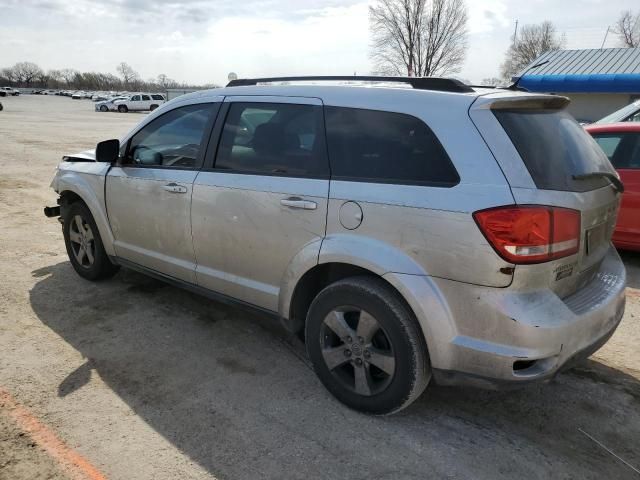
(146, 381)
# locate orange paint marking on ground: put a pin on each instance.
(70, 461)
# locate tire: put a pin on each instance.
(123, 108)
(153, 107)
(1, 107)
(104, 108)
(94, 264)
(340, 359)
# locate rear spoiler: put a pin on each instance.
(531, 103)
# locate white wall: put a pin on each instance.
(594, 106)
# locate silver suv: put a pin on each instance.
(410, 229)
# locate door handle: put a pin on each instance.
(297, 202)
(174, 188)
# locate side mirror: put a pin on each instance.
(108, 151)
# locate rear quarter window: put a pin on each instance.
(385, 147)
(554, 148)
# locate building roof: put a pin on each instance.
(607, 70)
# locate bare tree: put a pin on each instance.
(418, 37)
(10, 74)
(166, 82)
(628, 29)
(533, 41)
(128, 74)
(68, 75)
(26, 72)
(492, 82)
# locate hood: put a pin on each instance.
(86, 156)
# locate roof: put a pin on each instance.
(613, 127)
(607, 70)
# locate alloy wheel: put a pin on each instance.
(357, 351)
(82, 241)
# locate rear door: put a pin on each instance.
(623, 149)
(146, 102)
(263, 197)
(541, 149)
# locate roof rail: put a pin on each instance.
(419, 83)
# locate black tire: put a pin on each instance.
(123, 108)
(153, 107)
(95, 263)
(104, 108)
(397, 333)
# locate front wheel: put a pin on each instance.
(123, 108)
(153, 107)
(84, 245)
(366, 346)
(104, 108)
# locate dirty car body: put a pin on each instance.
(436, 198)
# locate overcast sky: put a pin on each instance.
(200, 41)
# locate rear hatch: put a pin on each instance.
(548, 159)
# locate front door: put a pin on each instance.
(148, 195)
(264, 199)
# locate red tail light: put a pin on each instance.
(530, 233)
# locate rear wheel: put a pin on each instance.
(123, 108)
(84, 245)
(366, 347)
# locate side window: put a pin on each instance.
(385, 147)
(135, 98)
(146, 97)
(608, 144)
(171, 140)
(623, 150)
(273, 138)
(157, 97)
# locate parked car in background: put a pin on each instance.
(77, 95)
(630, 113)
(109, 104)
(10, 91)
(408, 234)
(140, 102)
(621, 143)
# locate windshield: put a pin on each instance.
(555, 148)
(623, 114)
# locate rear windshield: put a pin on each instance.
(554, 148)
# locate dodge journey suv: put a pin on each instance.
(411, 230)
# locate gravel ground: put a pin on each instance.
(150, 382)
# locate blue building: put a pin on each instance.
(598, 81)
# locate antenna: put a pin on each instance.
(514, 85)
(605, 37)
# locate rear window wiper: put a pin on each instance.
(612, 177)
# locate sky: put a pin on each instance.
(200, 42)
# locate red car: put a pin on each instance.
(621, 143)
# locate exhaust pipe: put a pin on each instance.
(52, 211)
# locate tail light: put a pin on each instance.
(530, 233)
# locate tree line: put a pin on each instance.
(409, 37)
(30, 75)
(429, 38)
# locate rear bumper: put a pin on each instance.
(500, 337)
